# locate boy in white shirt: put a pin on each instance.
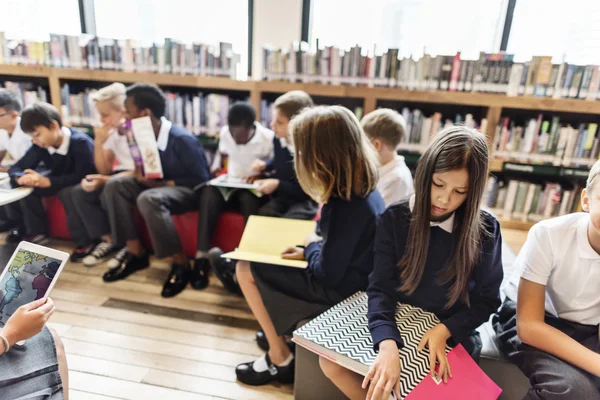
(12, 141)
(548, 324)
(385, 128)
(242, 141)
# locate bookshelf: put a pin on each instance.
(493, 104)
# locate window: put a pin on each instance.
(556, 28)
(188, 21)
(36, 19)
(438, 26)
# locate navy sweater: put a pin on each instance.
(183, 161)
(484, 285)
(344, 259)
(282, 168)
(67, 170)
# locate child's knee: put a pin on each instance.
(330, 369)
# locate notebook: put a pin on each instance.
(265, 238)
(341, 334)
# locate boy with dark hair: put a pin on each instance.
(68, 156)
(243, 141)
(184, 167)
(12, 141)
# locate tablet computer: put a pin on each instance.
(29, 275)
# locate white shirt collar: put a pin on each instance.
(163, 134)
(447, 225)
(63, 149)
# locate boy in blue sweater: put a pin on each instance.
(66, 154)
(184, 167)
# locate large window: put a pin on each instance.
(412, 26)
(188, 21)
(556, 28)
(37, 19)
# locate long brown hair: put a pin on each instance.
(454, 148)
(333, 156)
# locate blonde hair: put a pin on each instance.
(113, 93)
(292, 102)
(386, 125)
(594, 172)
(333, 156)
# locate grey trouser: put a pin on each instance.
(86, 215)
(551, 378)
(122, 194)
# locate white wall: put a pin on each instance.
(276, 22)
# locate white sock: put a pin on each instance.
(287, 361)
(260, 365)
(201, 254)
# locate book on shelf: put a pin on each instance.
(540, 140)
(490, 73)
(91, 52)
(27, 92)
(527, 201)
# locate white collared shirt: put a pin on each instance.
(120, 148)
(447, 224)
(163, 134)
(241, 156)
(558, 255)
(63, 149)
(395, 181)
(16, 144)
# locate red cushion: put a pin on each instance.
(57, 218)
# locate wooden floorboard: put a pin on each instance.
(124, 341)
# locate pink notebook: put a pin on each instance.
(468, 382)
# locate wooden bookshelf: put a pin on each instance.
(508, 223)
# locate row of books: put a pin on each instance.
(547, 141)
(87, 51)
(26, 92)
(492, 72)
(528, 201)
(420, 129)
(199, 113)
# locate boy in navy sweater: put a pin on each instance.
(184, 166)
(67, 155)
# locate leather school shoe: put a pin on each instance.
(224, 270)
(177, 280)
(246, 374)
(14, 237)
(261, 341)
(200, 272)
(128, 266)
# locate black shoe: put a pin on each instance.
(261, 340)
(199, 274)
(81, 252)
(224, 270)
(6, 226)
(14, 237)
(246, 374)
(177, 280)
(128, 266)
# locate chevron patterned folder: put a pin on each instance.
(341, 334)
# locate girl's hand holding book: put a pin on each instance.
(435, 339)
(384, 375)
(293, 253)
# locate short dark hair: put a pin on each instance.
(39, 114)
(148, 95)
(241, 113)
(291, 103)
(9, 101)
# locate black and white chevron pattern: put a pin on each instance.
(343, 329)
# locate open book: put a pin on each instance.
(265, 238)
(227, 185)
(341, 334)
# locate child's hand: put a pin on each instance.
(102, 133)
(384, 375)
(28, 320)
(311, 238)
(293, 253)
(93, 182)
(267, 186)
(258, 166)
(33, 179)
(435, 339)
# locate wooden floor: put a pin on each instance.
(124, 341)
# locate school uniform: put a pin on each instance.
(66, 166)
(289, 199)
(337, 267)
(460, 319)
(239, 165)
(184, 162)
(90, 219)
(558, 255)
(395, 181)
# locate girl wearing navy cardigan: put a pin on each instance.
(439, 252)
(336, 165)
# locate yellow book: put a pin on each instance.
(265, 238)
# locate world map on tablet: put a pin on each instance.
(28, 278)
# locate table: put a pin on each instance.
(8, 196)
